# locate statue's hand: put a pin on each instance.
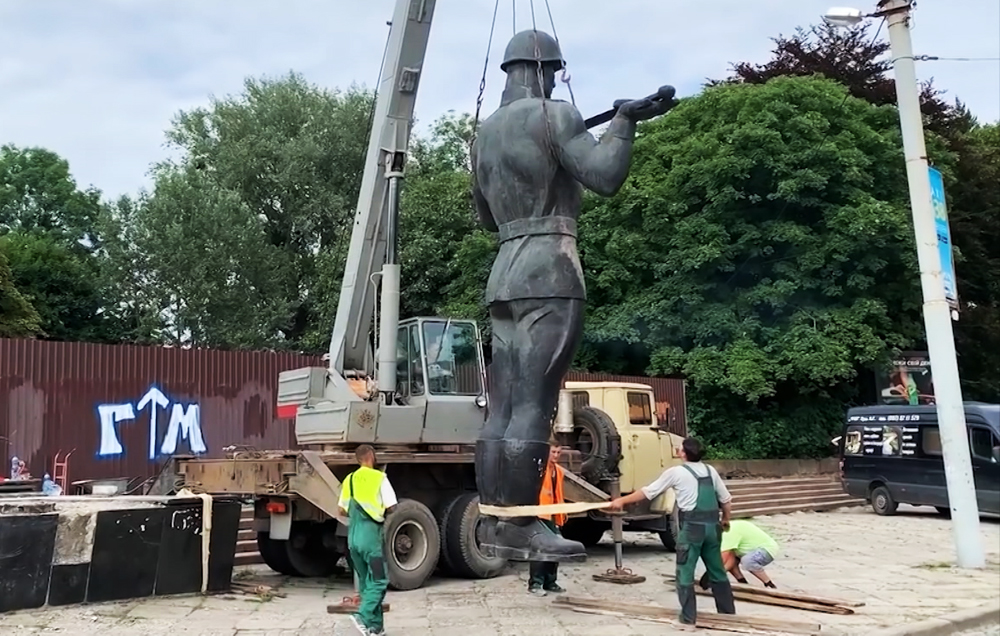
(648, 107)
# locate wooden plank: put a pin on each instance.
(793, 596)
(737, 629)
(548, 509)
(705, 619)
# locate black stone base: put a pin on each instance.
(136, 553)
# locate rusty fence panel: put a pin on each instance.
(121, 410)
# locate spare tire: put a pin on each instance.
(597, 439)
(465, 530)
(412, 545)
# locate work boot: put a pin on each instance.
(527, 538)
(555, 588)
(723, 594)
(536, 590)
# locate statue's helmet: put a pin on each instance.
(533, 47)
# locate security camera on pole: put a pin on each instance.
(937, 312)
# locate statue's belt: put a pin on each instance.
(538, 226)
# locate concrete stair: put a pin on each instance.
(761, 497)
(751, 498)
(246, 541)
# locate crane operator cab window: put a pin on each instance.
(453, 366)
(409, 362)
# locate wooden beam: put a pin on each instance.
(766, 599)
(534, 511)
(706, 620)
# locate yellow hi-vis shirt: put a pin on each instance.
(744, 537)
(370, 489)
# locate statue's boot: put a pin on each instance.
(520, 467)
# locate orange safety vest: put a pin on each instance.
(552, 491)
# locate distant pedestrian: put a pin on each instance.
(542, 575)
(366, 496)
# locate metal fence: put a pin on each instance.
(121, 410)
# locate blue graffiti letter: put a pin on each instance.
(184, 425)
(110, 415)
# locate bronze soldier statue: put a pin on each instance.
(530, 159)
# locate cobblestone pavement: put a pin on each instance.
(899, 566)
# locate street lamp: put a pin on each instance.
(937, 313)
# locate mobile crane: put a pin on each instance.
(420, 399)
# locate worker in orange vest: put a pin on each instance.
(542, 575)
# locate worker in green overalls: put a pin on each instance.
(703, 509)
(365, 497)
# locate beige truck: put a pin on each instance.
(613, 432)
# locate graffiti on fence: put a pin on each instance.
(184, 424)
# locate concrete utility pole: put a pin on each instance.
(937, 313)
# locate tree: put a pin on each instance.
(243, 237)
(445, 254)
(859, 62)
(855, 59)
(762, 248)
(37, 193)
(974, 217)
(62, 286)
(18, 319)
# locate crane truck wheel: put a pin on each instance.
(465, 531)
(412, 545)
(597, 440)
(306, 553)
(273, 554)
(445, 564)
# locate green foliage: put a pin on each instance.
(446, 256)
(37, 193)
(62, 286)
(761, 248)
(974, 216)
(243, 238)
(18, 319)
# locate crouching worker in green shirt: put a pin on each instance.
(745, 544)
(365, 497)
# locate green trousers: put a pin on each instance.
(368, 560)
(701, 541)
(543, 574)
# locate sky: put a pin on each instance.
(98, 81)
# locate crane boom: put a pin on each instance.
(372, 251)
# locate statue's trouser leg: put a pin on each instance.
(537, 341)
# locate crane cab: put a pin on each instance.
(440, 395)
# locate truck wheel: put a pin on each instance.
(445, 564)
(465, 531)
(882, 501)
(412, 545)
(597, 440)
(306, 554)
(273, 553)
(587, 531)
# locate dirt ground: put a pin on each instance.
(898, 566)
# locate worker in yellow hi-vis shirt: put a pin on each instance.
(746, 544)
(365, 497)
